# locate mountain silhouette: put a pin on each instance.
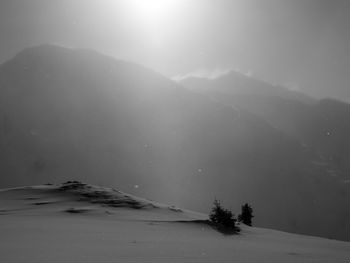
(320, 125)
(72, 114)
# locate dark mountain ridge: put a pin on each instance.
(76, 114)
(234, 82)
(320, 125)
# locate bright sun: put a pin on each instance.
(153, 10)
(156, 18)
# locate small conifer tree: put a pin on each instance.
(246, 215)
(222, 219)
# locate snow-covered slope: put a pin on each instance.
(74, 222)
(75, 197)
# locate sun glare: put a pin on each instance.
(152, 10)
(154, 18)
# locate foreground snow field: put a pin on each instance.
(80, 223)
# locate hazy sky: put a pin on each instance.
(304, 44)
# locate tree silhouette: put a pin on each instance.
(223, 219)
(246, 215)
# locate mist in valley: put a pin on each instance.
(95, 92)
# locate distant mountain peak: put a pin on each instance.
(236, 83)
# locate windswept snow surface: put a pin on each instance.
(82, 223)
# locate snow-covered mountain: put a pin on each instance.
(76, 114)
(75, 222)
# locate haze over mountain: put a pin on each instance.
(76, 114)
(236, 83)
(301, 43)
(319, 125)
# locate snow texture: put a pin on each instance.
(77, 223)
